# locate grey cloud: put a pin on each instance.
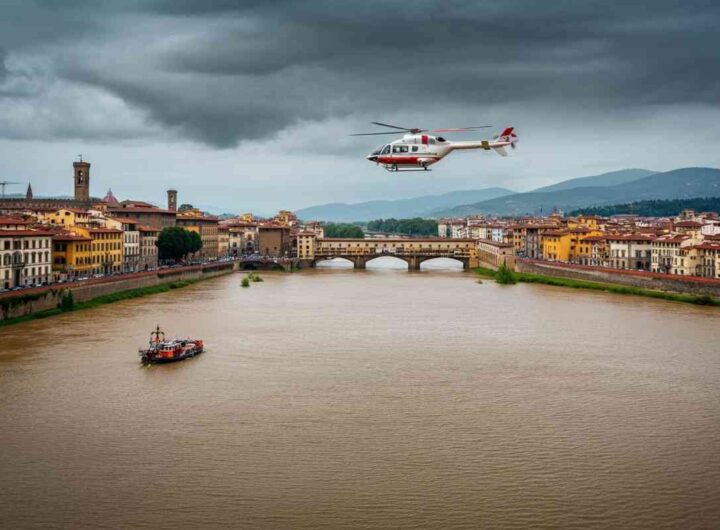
(224, 72)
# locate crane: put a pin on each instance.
(4, 183)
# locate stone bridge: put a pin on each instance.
(413, 251)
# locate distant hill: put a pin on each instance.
(403, 208)
(669, 208)
(614, 178)
(682, 183)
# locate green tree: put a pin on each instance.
(417, 226)
(195, 243)
(343, 230)
(505, 275)
(174, 242)
(185, 206)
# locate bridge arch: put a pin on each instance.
(334, 262)
(259, 265)
(442, 263)
(388, 261)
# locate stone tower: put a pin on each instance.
(29, 193)
(82, 180)
(172, 200)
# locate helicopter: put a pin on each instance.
(417, 151)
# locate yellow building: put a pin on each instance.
(106, 249)
(588, 221)
(306, 241)
(568, 245)
(286, 217)
(71, 256)
(68, 217)
(223, 241)
(516, 235)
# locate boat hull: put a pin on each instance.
(164, 360)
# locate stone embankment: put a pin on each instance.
(645, 280)
(15, 304)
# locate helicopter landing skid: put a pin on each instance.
(395, 169)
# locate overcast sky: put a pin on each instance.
(247, 105)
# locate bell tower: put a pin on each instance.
(82, 180)
(172, 200)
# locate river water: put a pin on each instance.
(373, 399)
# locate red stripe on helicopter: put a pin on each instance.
(424, 139)
(404, 159)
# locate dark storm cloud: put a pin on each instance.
(226, 71)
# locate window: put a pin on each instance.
(386, 150)
(415, 148)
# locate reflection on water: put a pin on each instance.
(373, 399)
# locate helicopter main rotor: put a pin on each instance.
(414, 130)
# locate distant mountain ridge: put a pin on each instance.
(422, 206)
(681, 183)
(613, 178)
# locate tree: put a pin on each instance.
(185, 206)
(343, 230)
(195, 242)
(416, 226)
(174, 242)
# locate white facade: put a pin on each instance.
(25, 258)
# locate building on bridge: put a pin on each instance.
(310, 249)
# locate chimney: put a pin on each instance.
(172, 200)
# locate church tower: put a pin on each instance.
(172, 200)
(28, 193)
(82, 180)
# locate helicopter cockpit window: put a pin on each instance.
(386, 150)
(377, 151)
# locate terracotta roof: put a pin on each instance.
(18, 233)
(13, 221)
(130, 203)
(630, 237)
(139, 209)
(127, 220)
(671, 239)
(104, 231)
(145, 228)
(688, 224)
(707, 246)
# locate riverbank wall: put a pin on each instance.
(16, 304)
(644, 280)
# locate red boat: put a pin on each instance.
(168, 351)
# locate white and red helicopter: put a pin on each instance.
(417, 151)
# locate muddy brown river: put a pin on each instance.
(376, 399)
